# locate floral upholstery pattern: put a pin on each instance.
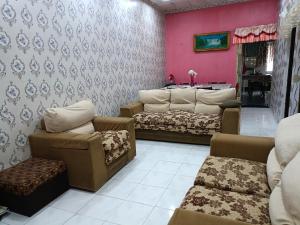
(204, 121)
(233, 174)
(173, 128)
(232, 205)
(25, 177)
(115, 144)
(179, 121)
(175, 117)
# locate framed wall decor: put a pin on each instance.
(211, 41)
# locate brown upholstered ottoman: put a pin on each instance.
(32, 184)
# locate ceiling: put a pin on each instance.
(172, 6)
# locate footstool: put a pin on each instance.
(30, 185)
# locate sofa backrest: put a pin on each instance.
(208, 101)
(183, 99)
(155, 100)
(187, 99)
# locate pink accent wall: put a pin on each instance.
(214, 65)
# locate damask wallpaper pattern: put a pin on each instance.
(56, 52)
(279, 79)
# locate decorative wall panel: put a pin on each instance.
(56, 52)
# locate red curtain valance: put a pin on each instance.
(255, 34)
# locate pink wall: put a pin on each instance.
(216, 65)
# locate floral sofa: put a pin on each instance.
(246, 180)
(183, 115)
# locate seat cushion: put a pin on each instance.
(176, 117)
(115, 144)
(233, 174)
(24, 178)
(251, 209)
(172, 128)
(204, 121)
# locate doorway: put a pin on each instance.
(256, 73)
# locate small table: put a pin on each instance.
(202, 86)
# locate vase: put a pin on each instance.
(192, 81)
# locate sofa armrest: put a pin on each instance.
(63, 140)
(118, 123)
(131, 109)
(244, 147)
(82, 153)
(113, 123)
(189, 217)
(231, 121)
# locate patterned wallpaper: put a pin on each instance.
(56, 52)
(279, 82)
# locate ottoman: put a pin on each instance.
(30, 185)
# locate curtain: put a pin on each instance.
(255, 34)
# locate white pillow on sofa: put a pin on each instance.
(274, 170)
(157, 107)
(183, 96)
(278, 213)
(208, 109)
(87, 128)
(215, 97)
(69, 117)
(183, 107)
(290, 184)
(155, 96)
(287, 139)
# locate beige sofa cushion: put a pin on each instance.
(183, 96)
(274, 170)
(290, 184)
(277, 210)
(155, 96)
(215, 97)
(87, 128)
(69, 117)
(208, 109)
(287, 139)
(184, 107)
(157, 107)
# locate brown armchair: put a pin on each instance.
(84, 154)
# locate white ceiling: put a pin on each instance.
(172, 6)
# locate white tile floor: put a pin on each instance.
(147, 190)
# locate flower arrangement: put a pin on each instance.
(172, 79)
(192, 75)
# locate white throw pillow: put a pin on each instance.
(274, 170)
(208, 109)
(290, 184)
(157, 107)
(183, 107)
(277, 210)
(183, 96)
(215, 97)
(287, 139)
(154, 96)
(69, 117)
(87, 128)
